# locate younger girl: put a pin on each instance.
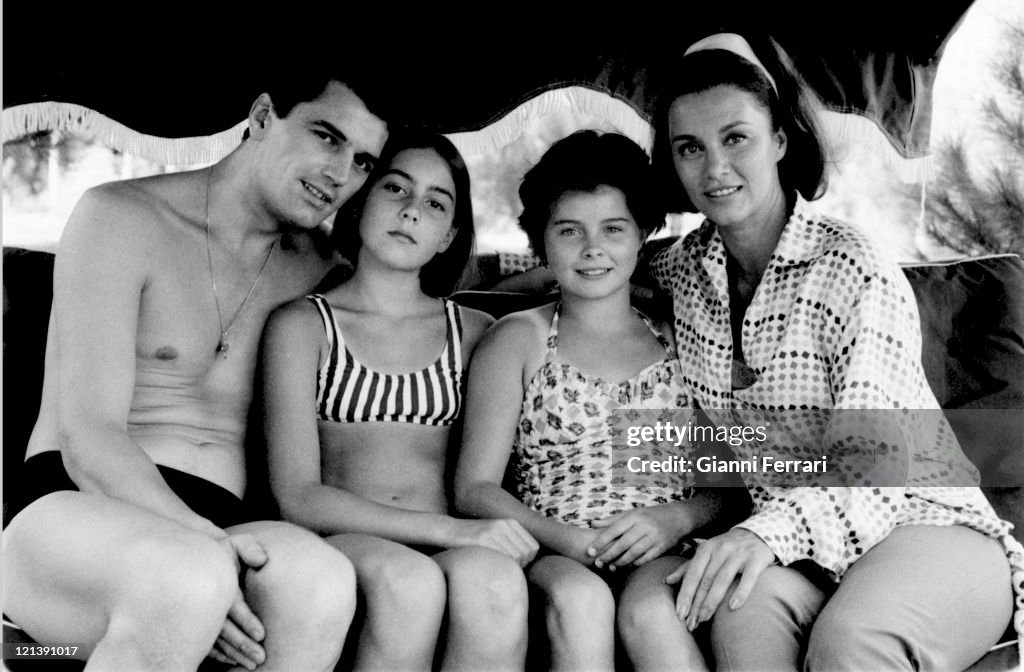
(548, 384)
(363, 385)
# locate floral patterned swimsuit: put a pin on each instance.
(570, 457)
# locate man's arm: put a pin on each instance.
(100, 275)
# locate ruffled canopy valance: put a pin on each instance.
(175, 86)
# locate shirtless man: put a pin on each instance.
(161, 289)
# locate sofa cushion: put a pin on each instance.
(972, 322)
(972, 327)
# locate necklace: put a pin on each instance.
(223, 345)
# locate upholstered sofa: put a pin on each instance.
(972, 320)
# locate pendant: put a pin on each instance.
(742, 375)
(222, 347)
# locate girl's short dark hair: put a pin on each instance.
(583, 162)
(441, 275)
(791, 108)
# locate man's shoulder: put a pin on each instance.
(171, 189)
(131, 212)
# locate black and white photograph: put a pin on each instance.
(501, 338)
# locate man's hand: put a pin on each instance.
(503, 535)
(705, 579)
(238, 643)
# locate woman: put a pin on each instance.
(548, 384)
(778, 307)
(360, 407)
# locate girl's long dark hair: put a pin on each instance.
(441, 275)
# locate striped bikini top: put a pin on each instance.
(347, 391)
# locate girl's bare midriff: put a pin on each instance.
(398, 464)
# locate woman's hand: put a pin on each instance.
(637, 536)
(238, 642)
(705, 579)
(503, 535)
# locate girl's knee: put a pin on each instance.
(304, 571)
(647, 602)
(311, 558)
(645, 609)
(404, 583)
(579, 594)
(489, 584)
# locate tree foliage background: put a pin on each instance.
(976, 205)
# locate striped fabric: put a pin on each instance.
(347, 391)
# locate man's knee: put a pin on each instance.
(192, 566)
(129, 580)
(182, 585)
(487, 584)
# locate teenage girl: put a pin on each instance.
(363, 386)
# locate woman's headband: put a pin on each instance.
(737, 45)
